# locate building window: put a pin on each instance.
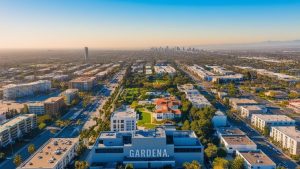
(109, 150)
(187, 150)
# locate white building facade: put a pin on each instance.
(288, 137)
(13, 91)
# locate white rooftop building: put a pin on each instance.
(267, 120)
(124, 119)
(256, 159)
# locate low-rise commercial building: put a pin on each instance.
(56, 153)
(37, 108)
(219, 119)
(16, 128)
(83, 83)
(13, 91)
(229, 131)
(123, 119)
(261, 121)
(237, 143)
(235, 103)
(155, 148)
(54, 106)
(194, 96)
(256, 159)
(164, 70)
(288, 137)
(248, 110)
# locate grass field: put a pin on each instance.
(145, 118)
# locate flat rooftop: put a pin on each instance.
(50, 154)
(230, 131)
(124, 113)
(83, 79)
(53, 99)
(238, 140)
(256, 157)
(252, 107)
(242, 101)
(274, 117)
(290, 131)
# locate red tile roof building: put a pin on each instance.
(167, 108)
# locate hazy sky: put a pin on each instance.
(145, 23)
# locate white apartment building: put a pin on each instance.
(248, 110)
(164, 69)
(16, 128)
(123, 119)
(13, 91)
(237, 143)
(194, 96)
(288, 137)
(56, 153)
(37, 108)
(219, 119)
(256, 159)
(268, 120)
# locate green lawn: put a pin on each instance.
(145, 118)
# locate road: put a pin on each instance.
(262, 143)
(72, 130)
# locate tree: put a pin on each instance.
(25, 109)
(31, 149)
(266, 131)
(220, 163)
(17, 160)
(237, 163)
(2, 155)
(42, 126)
(221, 152)
(193, 165)
(129, 166)
(81, 165)
(186, 125)
(211, 151)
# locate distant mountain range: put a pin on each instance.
(293, 44)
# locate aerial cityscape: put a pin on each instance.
(162, 84)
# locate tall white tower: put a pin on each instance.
(86, 53)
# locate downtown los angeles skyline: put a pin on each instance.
(128, 24)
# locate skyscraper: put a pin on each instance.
(86, 53)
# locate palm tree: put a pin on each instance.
(31, 149)
(18, 160)
(81, 164)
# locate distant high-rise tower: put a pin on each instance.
(86, 53)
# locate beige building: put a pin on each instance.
(123, 119)
(83, 83)
(288, 137)
(237, 143)
(235, 103)
(248, 110)
(256, 159)
(268, 120)
(54, 105)
(16, 128)
(56, 153)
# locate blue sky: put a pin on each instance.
(141, 23)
